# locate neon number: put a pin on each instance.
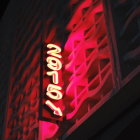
(54, 63)
(54, 75)
(56, 110)
(53, 91)
(54, 52)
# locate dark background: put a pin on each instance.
(3, 6)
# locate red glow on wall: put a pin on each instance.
(47, 130)
(88, 64)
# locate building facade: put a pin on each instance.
(62, 61)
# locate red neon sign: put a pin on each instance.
(53, 91)
(52, 107)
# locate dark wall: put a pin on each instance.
(20, 55)
(123, 18)
(7, 31)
